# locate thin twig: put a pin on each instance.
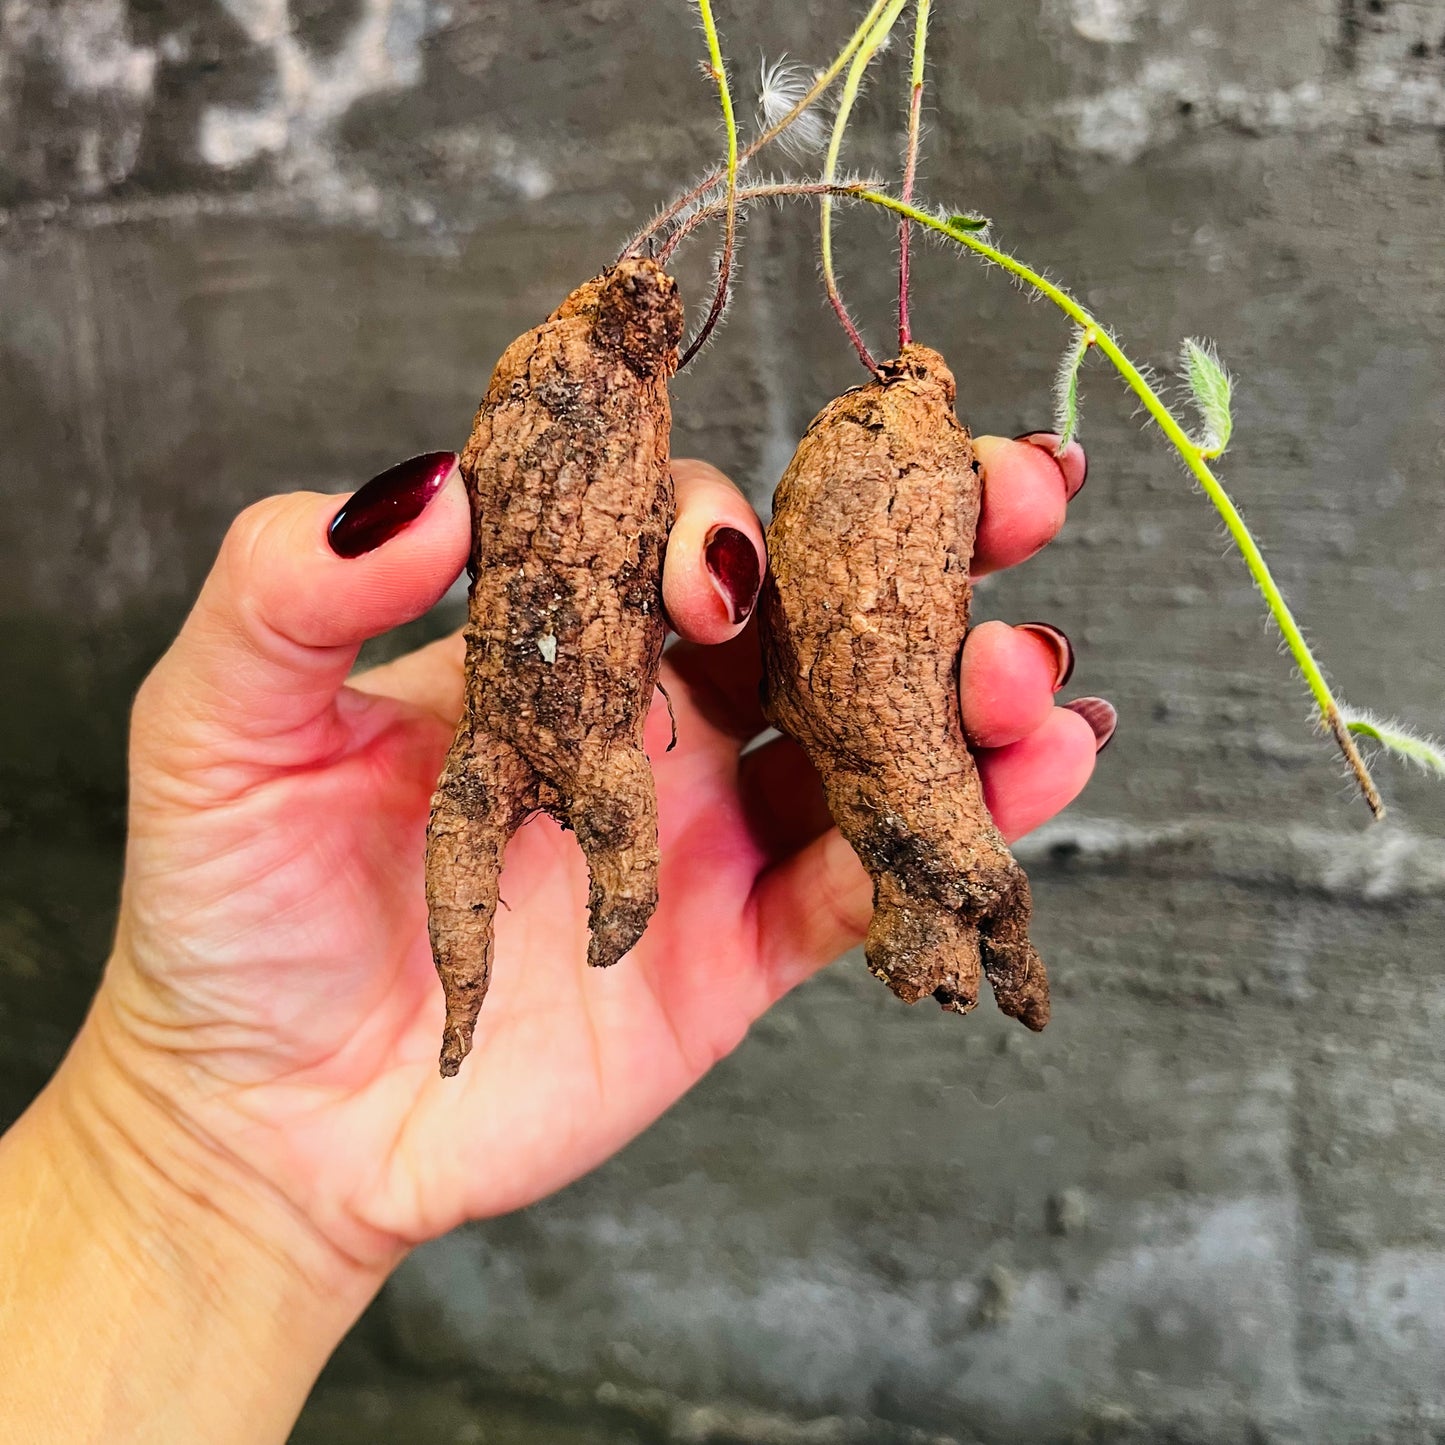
(910, 166)
(771, 191)
(824, 80)
(730, 230)
(866, 52)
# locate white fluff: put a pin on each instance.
(784, 83)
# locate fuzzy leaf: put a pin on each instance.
(1396, 738)
(1066, 389)
(1211, 388)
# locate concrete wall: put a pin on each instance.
(250, 244)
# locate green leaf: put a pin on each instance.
(1211, 388)
(1396, 738)
(1066, 388)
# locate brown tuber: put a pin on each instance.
(863, 617)
(567, 474)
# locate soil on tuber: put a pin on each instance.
(863, 617)
(571, 498)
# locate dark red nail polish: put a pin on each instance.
(1057, 639)
(388, 503)
(1075, 465)
(1100, 715)
(732, 559)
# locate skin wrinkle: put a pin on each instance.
(213, 1148)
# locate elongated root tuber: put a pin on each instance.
(567, 473)
(863, 618)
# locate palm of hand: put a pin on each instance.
(304, 980)
(272, 989)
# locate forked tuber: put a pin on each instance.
(567, 474)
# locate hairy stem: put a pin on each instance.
(730, 229)
(1194, 459)
(866, 52)
(771, 191)
(910, 166)
(824, 80)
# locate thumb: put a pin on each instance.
(301, 581)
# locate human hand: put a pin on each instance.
(272, 985)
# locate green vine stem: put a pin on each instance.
(1426, 754)
(910, 164)
(767, 191)
(851, 84)
(730, 227)
(1330, 709)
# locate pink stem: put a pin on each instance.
(905, 228)
(853, 334)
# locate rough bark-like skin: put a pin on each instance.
(567, 472)
(863, 617)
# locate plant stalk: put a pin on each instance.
(851, 84)
(770, 191)
(910, 166)
(730, 229)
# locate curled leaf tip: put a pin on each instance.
(1212, 389)
(1396, 738)
(1066, 388)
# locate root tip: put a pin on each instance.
(456, 1045)
(617, 926)
(1034, 1015)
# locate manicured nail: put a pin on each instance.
(1100, 715)
(732, 559)
(388, 503)
(1063, 649)
(1074, 463)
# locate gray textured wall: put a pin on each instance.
(249, 244)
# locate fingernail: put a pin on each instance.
(732, 559)
(1062, 647)
(1074, 463)
(1100, 715)
(388, 503)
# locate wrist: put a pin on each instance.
(163, 1290)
